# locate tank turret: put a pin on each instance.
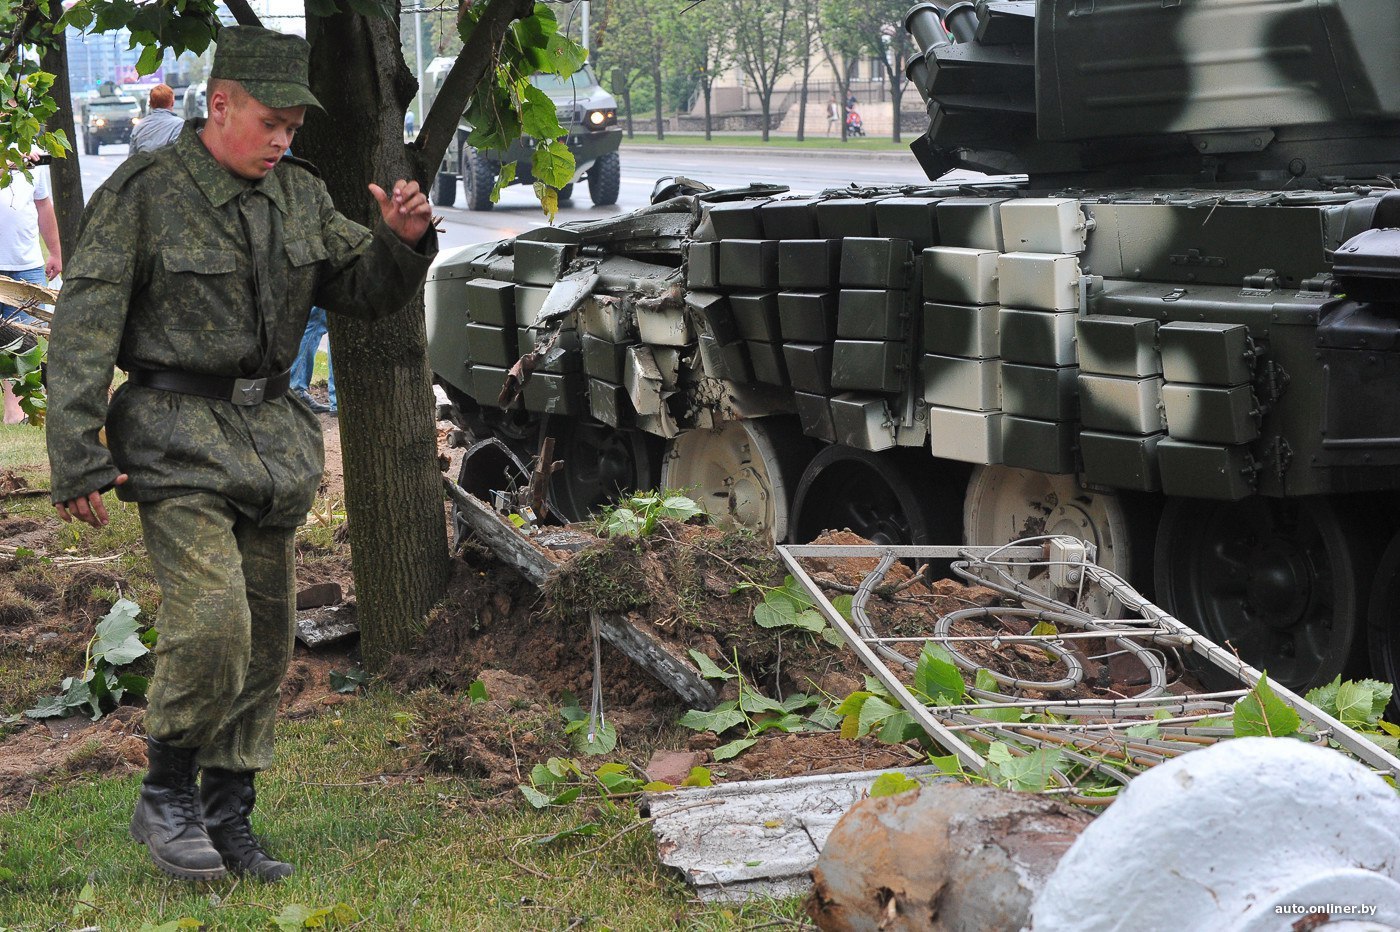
(1201, 93)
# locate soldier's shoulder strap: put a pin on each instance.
(129, 169)
(301, 163)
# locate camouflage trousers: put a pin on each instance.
(226, 625)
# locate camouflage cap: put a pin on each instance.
(272, 66)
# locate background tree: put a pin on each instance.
(843, 40)
(623, 47)
(807, 13)
(891, 46)
(393, 488)
(763, 34)
(697, 46)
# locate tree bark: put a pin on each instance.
(709, 88)
(767, 110)
(65, 174)
(656, 93)
(398, 533)
(627, 106)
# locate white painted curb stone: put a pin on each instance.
(1243, 836)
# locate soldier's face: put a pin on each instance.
(253, 137)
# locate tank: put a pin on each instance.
(107, 116)
(1165, 319)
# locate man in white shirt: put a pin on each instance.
(26, 214)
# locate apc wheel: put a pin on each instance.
(1005, 504)
(600, 465)
(1280, 580)
(566, 193)
(91, 145)
(1383, 630)
(478, 178)
(887, 498)
(739, 472)
(605, 179)
(444, 190)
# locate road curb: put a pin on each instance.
(776, 152)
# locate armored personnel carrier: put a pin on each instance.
(107, 117)
(1169, 323)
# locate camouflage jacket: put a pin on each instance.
(163, 278)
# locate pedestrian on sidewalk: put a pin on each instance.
(306, 363)
(26, 217)
(833, 113)
(204, 303)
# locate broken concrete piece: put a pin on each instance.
(755, 837)
(673, 766)
(1249, 835)
(327, 625)
(319, 594)
(944, 857)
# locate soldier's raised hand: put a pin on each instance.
(406, 211)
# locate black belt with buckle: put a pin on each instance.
(238, 391)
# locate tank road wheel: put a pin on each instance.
(478, 178)
(1280, 580)
(488, 465)
(444, 190)
(1383, 631)
(887, 498)
(739, 472)
(600, 464)
(605, 180)
(1005, 504)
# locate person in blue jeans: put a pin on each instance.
(306, 361)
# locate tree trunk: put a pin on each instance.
(65, 174)
(398, 533)
(802, 105)
(627, 107)
(896, 91)
(656, 93)
(845, 96)
(767, 104)
(709, 89)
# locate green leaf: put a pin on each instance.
(1261, 713)
(1325, 697)
(774, 614)
(937, 678)
(785, 723)
(601, 740)
(87, 900)
(150, 59)
(1354, 705)
(755, 703)
(350, 680)
(566, 796)
(874, 711)
(476, 692)
(891, 784)
(733, 748)
(842, 604)
(657, 786)
(698, 776)
(718, 721)
(534, 797)
(1145, 730)
(708, 668)
(679, 508)
(995, 712)
(899, 728)
(49, 707)
(578, 831)
(948, 764)
(504, 179)
(553, 164)
(116, 638)
(538, 117)
(1030, 773)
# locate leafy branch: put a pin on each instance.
(116, 642)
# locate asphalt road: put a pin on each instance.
(803, 172)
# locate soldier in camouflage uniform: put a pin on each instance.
(194, 272)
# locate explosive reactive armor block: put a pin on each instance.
(1121, 461)
(1211, 414)
(1037, 281)
(1202, 470)
(970, 222)
(954, 382)
(839, 218)
(702, 265)
(756, 316)
(862, 421)
(1047, 393)
(868, 314)
(871, 365)
(1121, 405)
(491, 302)
(538, 263)
(716, 314)
(908, 218)
(1048, 446)
(814, 416)
(971, 330)
(809, 264)
(748, 263)
(1206, 353)
(809, 366)
(807, 316)
(965, 436)
(876, 263)
(1043, 224)
(793, 218)
(1038, 338)
(1123, 346)
(958, 275)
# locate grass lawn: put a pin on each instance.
(813, 141)
(348, 801)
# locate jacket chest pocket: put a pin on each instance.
(305, 255)
(206, 288)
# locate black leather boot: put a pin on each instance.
(167, 818)
(228, 797)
